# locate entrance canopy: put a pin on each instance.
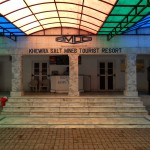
(109, 17)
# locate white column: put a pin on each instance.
(73, 75)
(130, 76)
(17, 85)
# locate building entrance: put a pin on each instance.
(40, 70)
(40, 74)
(106, 71)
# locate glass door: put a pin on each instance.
(40, 71)
(106, 75)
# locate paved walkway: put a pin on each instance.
(74, 139)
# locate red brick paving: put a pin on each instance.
(74, 139)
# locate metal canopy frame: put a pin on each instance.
(8, 30)
(144, 23)
(135, 12)
(29, 16)
(4, 32)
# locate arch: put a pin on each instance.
(32, 16)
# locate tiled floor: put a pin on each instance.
(74, 139)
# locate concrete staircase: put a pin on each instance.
(69, 107)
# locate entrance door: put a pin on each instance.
(40, 71)
(106, 75)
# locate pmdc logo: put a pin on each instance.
(74, 39)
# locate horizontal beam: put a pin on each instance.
(7, 34)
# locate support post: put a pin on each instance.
(73, 75)
(130, 76)
(17, 85)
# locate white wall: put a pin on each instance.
(89, 66)
(27, 68)
(5, 73)
(129, 44)
(142, 83)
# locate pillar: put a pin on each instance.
(17, 85)
(130, 76)
(73, 75)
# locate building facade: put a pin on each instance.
(95, 64)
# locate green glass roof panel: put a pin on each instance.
(143, 2)
(128, 2)
(130, 18)
(119, 33)
(125, 14)
(124, 29)
(107, 29)
(146, 11)
(114, 19)
(137, 19)
(121, 10)
(130, 24)
(101, 33)
(109, 25)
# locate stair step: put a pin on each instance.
(74, 104)
(78, 107)
(77, 114)
(92, 100)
